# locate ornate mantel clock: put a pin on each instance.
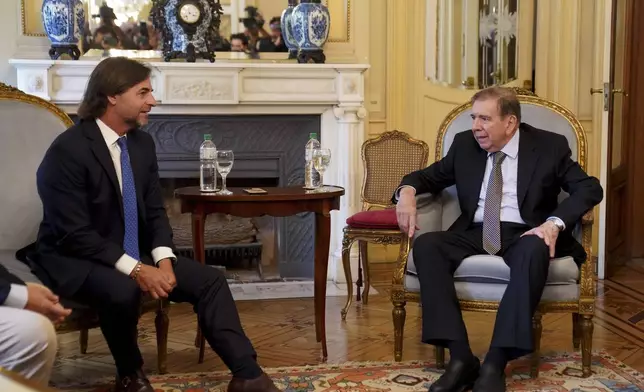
(189, 27)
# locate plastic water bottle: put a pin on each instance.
(311, 177)
(208, 158)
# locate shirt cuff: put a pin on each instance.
(162, 252)
(558, 220)
(126, 264)
(18, 296)
(397, 193)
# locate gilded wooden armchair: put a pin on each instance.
(29, 126)
(480, 284)
(386, 159)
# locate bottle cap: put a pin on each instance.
(313, 135)
(207, 136)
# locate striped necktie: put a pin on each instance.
(492, 208)
(130, 212)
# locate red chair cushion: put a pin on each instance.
(374, 219)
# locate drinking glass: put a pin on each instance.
(321, 161)
(225, 159)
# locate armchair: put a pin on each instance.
(29, 126)
(481, 280)
(377, 223)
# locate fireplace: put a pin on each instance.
(269, 151)
(332, 95)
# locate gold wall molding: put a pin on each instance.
(30, 18)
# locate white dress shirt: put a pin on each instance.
(126, 263)
(509, 168)
(17, 297)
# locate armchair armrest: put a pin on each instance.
(588, 218)
(429, 211)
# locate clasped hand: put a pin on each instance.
(159, 282)
(41, 300)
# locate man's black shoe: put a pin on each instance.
(458, 377)
(490, 379)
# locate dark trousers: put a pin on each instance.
(117, 299)
(438, 254)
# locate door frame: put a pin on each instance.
(635, 168)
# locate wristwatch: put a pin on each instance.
(557, 223)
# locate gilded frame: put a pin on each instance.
(11, 93)
(26, 8)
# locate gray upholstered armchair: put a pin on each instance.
(481, 280)
(29, 126)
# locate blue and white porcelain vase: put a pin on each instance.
(311, 22)
(287, 29)
(64, 23)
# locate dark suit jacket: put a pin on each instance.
(6, 279)
(83, 208)
(545, 168)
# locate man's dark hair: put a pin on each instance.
(240, 36)
(112, 76)
(506, 98)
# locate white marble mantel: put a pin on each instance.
(335, 91)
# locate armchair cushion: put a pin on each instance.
(492, 269)
(374, 219)
(484, 277)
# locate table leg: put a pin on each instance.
(198, 247)
(322, 239)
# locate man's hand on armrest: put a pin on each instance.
(406, 210)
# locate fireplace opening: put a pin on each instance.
(243, 248)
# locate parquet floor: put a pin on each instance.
(283, 331)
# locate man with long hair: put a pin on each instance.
(105, 237)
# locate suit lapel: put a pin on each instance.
(528, 158)
(479, 161)
(99, 148)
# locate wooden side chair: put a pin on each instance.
(480, 284)
(29, 125)
(386, 159)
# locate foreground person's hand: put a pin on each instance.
(406, 211)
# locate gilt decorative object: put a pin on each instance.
(311, 22)
(287, 29)
(188, 27)
(64, 24)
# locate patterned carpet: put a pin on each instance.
(560, 373)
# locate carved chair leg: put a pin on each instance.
(439, 353)
(202, 348)
(346, 264)
(399, 314)
(537, 328)
(367, 274)
(576, 331)
(83, 339)
(586, 344)
(162, 324)
(359, 280)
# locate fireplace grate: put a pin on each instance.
(239, 255)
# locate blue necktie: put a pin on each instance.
(130, 212)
